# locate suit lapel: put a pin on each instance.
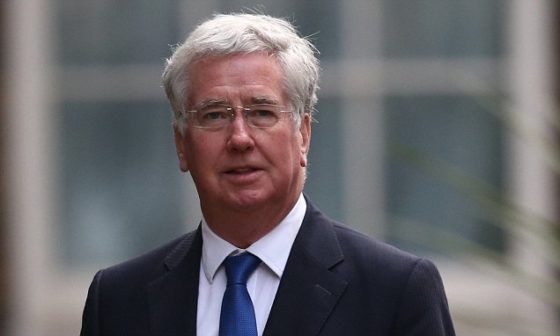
(173, 296)
(308, 290)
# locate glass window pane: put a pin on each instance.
(120, 184)
(442, 152)
(324, 182)
(318, 19)
(445, 28)
(116, 32)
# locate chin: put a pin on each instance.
(248, 200)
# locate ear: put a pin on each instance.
(180, 143)
(305, 132)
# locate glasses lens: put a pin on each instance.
(262, 115)
(218, 116)
(214, 116)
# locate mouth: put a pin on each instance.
(241, 171)
(243, 175)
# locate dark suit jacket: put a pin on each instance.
(336, 282)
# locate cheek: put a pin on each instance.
(201, 154)
(295, 158)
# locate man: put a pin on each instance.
(243, 88)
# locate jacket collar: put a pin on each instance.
(173, 296)
(308, 281)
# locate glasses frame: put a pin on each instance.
(231, 110)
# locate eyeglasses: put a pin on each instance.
(217, 116)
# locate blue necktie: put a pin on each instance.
(238, 315)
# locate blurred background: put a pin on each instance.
(438, 131)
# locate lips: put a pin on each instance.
(242, 170)
(243, 175)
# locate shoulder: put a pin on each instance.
(366, 257)
(410, 287)
(388, 289)
(150, 264)
(377, 260)
(325, 235)
(362, 248)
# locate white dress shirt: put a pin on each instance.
(273, 249)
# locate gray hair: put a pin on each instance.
(227, 34)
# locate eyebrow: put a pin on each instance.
(225, 101)
(264, 100)
(211, 102)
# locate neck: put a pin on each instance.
(241, 227)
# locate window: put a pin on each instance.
(410, 125)
(119, 186)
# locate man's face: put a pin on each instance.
(241, 168)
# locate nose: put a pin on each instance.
(240, 137)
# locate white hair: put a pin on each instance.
(227, 34)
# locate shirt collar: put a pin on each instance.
(273, 248)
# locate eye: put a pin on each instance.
(263, 111)
(263, 116)
(213, 113)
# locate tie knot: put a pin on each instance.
(240, 267)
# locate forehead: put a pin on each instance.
(238, 77)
